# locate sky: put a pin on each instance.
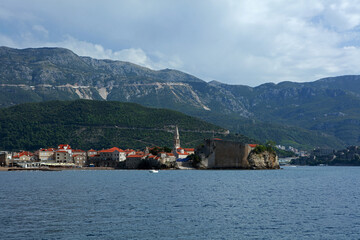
(247, 42)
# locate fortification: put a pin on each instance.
(220, 154)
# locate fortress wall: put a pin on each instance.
(228, 154)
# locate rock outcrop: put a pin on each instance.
(264, 160)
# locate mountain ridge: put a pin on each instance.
(318, 108)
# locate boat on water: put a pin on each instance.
(153, 171)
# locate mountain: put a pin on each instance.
(324, 113)
(100, 124)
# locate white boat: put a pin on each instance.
(153, 171)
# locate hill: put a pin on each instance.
(99, 124)
(324, 113)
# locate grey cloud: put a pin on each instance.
(239, 42)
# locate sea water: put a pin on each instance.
(292, 203)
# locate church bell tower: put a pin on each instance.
(176, 138)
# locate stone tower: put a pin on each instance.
(176, 138)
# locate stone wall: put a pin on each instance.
(224, 154)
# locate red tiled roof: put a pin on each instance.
(61, 151)
(111, 150)
(170, 154)
(25, 153)
(189, 149)
(92, 150)
(78, 150)
(218, 139)
(185, 153)
(62, 146)
(47, 149)
(252, 145)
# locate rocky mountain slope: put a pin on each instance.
(324, 113)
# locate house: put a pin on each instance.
(112, 157)
(63, 154)
(5, 159)
(113, 154)
(79, 160)
(23, 156)
(130, 152)
(189, 150)
(47, 155)
(165, 157)
(181, 153)
(91, 152)
(24, 159)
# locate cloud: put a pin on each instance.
(134, 55)
(40, 30)
(239, 42)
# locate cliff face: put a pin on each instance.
(264, 160)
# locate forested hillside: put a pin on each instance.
(99, 124)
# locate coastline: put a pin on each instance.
(53, 169)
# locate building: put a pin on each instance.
(189, 150)
(180, 153)
(224, 154)
(5, 159)
(112, 154)
(80, 160)
(176, 138)
(47, 155)
(24, 159)
(91, 152)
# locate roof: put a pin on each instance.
(62, 146)
(25, 153)
(189, 149)
(252, 145)
(78, 150)
(92, 150)
(170, 154)
(47, 149)
(217, 139)
(110, 150)
(184, 153)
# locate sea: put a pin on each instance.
(290, 203)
